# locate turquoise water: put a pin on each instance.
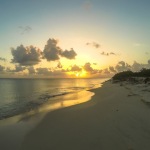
(22, 95)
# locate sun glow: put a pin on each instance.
(78, 74)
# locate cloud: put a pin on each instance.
(106, 71)
(31, 70)
(75, 68)
(112, 53)
(52, 52)
(19, 68)
(43, 71)
(2, 68)
(112, 69)
(137, 66)
(59, 65)
(107, 54)
(49, 73)
(26, 56)
(88, 68)
(122, 66)
(2, 59)
(25, 29)
(69, 54)
(94, 44)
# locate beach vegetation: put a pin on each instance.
(125, 75)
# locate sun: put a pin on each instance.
(77, 74)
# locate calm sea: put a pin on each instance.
(22, 95)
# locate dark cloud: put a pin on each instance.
(69, 54)
(88, 68)
(31, 70)
(2, 59)
(26, 56)
(2, 68)
(75, 68)
(25, 29)
(52, 52)
(19, 68)
(94, 44)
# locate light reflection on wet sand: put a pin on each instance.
(25, 122)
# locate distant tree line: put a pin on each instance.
(128, 74)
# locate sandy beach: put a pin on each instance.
(114, 119)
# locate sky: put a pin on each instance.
(73, 38)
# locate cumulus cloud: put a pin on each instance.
(25, 29)
(94, 44)
(88, 68)
(69, 54)
(26, 56)
(123, 66)
(75, 68)
(52, 52)
(2, 59)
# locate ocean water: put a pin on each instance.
(18, 96)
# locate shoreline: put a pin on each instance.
(14, 129)
(111, 120)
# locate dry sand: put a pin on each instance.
(112, 120)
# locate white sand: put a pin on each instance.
(112, 120)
